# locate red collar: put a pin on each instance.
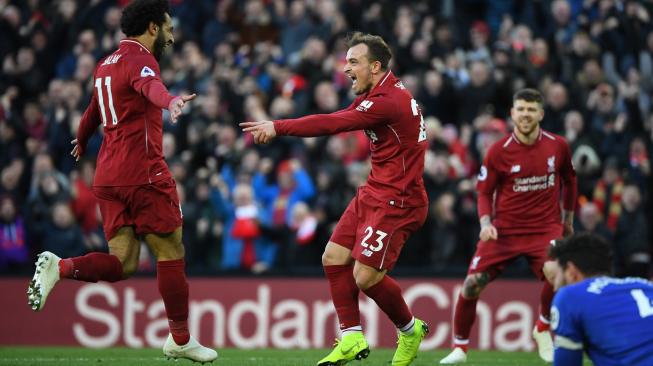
(130, 41)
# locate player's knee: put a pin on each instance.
(365, 280)
(550, 270)
(329, 258)
(366, 277)
(129, 264)
(129, 268)
(472, 287)
(326, 259)
(171, 250)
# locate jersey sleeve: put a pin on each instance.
(567, 325)
(486, 183)
(144, 78)
(89, 122)
(568, 176)
(370, 112)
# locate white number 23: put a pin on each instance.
(380, 235)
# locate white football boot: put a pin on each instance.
(544, 344)
(45, 277)
(455, 357)
(192, 350)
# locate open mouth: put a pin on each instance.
(353, 79)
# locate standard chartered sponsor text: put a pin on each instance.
(113, 316)
(534, 183)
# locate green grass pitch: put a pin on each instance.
(46, 356)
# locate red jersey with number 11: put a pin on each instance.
(128, 96)
(393, 122)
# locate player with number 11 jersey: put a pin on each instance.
(131, 153)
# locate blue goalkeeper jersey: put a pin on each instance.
(611, 319)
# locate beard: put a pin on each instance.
(362, 91)
(159, 46)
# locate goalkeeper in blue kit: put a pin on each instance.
(608, 318)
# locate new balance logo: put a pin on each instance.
(515, 169)
(146, 71)
(364, 106)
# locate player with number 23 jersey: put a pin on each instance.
(393, 123)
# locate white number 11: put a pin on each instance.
(100, 98)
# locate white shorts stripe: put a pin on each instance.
(566, 343)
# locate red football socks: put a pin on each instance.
(92, 267)
(463, 319)
(546, 297)
(173, 288)
(344, 294)
(387, 294)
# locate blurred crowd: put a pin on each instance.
(271, 208)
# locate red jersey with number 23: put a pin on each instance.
(393, 122)
(520, 185)
(128, 96)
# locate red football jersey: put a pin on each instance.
(393, 122)
(127, 100)
(526, 182)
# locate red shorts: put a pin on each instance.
(493, 256)
(149, 208)
(375, 231)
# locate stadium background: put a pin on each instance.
(254, 60)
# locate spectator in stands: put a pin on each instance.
(255, 59)
(631, 238)
(307, 248)
(13, 242)
(40, 207)
(607, 193)
(83, 202)
(293, 185)
(11, 181)
(590, 220)
(241, 227)
(63, 234)
(557, 106)
(203, 247)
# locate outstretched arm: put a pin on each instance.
(154, 90)
(144, 78)
(376, 110)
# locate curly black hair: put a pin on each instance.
(136, 16)
(590, 253)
